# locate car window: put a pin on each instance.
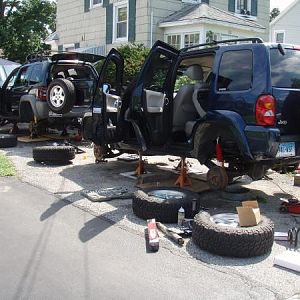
(36, 75)
(157, 73)
(235, 72)
(22, 77)
(2, 76)
(285, 68)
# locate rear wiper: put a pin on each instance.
(281, 50)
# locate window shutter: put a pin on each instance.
(132, 24)
(86, 5)
(105, 3)
(77, 45)
(253, 7)
(109, 23)
(231, 5)
(205, 1)
(60, 48)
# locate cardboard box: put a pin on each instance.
(249, 213)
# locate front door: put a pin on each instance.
(107, 101)
(7, 99)
(150, 105)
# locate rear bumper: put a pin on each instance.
(263, 142)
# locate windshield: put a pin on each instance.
(285, 69)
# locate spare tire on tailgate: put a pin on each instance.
(61, 95)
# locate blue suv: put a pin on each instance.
(239, 96)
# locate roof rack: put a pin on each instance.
(35, 57)
(214, 43)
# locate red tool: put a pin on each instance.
(290, 206)
(152, 235)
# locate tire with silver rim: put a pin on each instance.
(163, 203)
(221, 234)
(61, 95)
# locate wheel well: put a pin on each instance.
(26, 112)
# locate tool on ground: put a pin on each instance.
(290, 206)
(183, 179)
(293, 235)
(141, 166)
(174, 236)
(152, 235)
(77, 149)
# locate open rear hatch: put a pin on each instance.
(285, 73)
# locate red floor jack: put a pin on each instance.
(290, 206)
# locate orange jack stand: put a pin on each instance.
(183, 179)
(141, 166)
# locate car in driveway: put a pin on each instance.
(50, 91)
(237, 101)
(6, 67)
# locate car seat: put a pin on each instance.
(200, 91)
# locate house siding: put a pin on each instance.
(89, 28)
(289, 23)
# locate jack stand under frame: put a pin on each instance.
(141, 166)
(183, 179)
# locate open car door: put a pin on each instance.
(150, 104)
(107, 101)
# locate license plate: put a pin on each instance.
(286, 150)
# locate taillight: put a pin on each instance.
(265, 110)
(42, 93)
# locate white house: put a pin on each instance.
(285, 28)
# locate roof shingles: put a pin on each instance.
(202, 12)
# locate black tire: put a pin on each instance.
(147, 206)
(55, 154)
(8, 141)
(233, 241)
(64, 102)
(236, 192)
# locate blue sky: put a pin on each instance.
(281, 4)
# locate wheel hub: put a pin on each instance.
(166, 194)
(57, 96)
(217, 178)
(226, 219)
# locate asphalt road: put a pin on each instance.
(53, 250)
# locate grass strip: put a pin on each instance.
(7, 168)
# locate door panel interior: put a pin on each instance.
(154, 101)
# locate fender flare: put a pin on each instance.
(39, 110)
(211, 126)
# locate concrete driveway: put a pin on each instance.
(65, 182)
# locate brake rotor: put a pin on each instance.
(217, 178)
(99, 152)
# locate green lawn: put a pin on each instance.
(6, 166)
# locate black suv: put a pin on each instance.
(50, 91)
(240, 96)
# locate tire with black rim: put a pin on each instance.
(8, 141)
(61, 95)
(163, 203)
(221, 234)
(54, 154)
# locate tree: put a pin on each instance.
(134, 56)
(24, 25)
(274, 13)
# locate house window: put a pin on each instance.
(174, 40)
(121, 21)
(279, 36)
(243, 7)
(95, 3)
(191, 39)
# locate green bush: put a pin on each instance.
(134, 56)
